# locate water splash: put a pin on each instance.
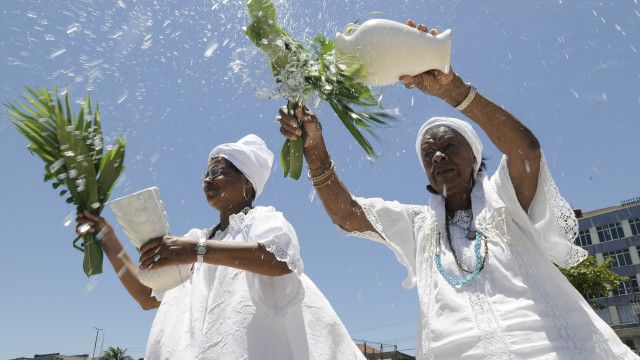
(213, 46)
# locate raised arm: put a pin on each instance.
(342, 209)
(509, 135)
(125, 267)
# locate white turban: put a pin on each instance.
(463, 127)
(251, 156)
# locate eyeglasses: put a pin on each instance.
(213, 173)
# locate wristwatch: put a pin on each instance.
(201, 249)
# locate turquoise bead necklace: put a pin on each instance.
(479, 263)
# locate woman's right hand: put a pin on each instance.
(289, 126)
(96, 224)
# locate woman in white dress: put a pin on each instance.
(482, 250)
(248, 297)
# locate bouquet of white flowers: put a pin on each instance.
(74, 156)
(301, 72)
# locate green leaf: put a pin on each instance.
(285, 156)
(92, 263)
(54, 134)
(296, 156)
(300, 72)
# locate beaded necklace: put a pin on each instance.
(479, 263)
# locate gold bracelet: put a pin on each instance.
(324, 175)
(328, 180)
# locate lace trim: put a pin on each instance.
(281, 254)
(540, 295)
(410, 281)
(372, 216)
(425, 231)
(565, 221)
(493, 341)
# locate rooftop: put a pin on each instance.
(622, 205)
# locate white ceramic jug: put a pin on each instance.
(143, 217)
(389, 49)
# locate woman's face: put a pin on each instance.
(223, 185)
(448, 160)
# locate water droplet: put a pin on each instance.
(57, 53)
(93, 281)
(68, 219)
(211, 49)
(84, 228)
(73, 28)
(56, 165)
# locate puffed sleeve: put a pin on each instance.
(550, 219)
(277, 294)
(394, 224)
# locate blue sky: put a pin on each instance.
(568, 69)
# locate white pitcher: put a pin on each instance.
(390, 49)
(143, 217)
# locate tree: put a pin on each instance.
(115, 354)
(591, 278)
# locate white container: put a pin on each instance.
(143, 217)
(390, 49)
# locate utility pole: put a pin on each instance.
(102, 342)
(93, 355)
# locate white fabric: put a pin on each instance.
(463, 127)
(520, 306)
(251, 156)
(227, 313)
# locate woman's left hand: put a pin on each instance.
(432, 82)
(168, 250)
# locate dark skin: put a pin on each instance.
(447, 156)
(227, 190)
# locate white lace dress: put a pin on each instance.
(520, 306)
(230, 314)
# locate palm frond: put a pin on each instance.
(71, 148)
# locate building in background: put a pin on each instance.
(614, 232)
(379, 351)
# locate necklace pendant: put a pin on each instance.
(471, 234)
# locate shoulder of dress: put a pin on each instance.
(195, 232)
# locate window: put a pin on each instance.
(627, 286)
(635, 226)
(584, 238)
(610, 232)
(620, 257)
(604, 314)
(626, 314)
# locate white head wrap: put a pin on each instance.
(463, 127)
(251, 156)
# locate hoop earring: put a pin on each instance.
(244, 193)
(432, 190)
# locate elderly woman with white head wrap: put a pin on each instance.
(248, 297)
(481, 252)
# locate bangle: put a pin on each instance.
(468, 99)
(326, 182)
(324, 175)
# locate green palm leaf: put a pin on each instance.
(300, 72)
(71, 148)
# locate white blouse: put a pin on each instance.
(520, 306)
(227, 313)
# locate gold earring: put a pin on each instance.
(244, 193)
